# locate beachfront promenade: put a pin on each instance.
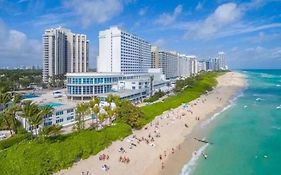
(150, 150)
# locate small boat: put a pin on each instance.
(245, 106)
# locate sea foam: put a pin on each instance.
(231, 103)
(186, 170)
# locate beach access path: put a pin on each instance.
(148, 151)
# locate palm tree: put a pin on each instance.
(6, 118)
(53, 130)
(82, 110)
(102, 117)
(97, 100)
(4, 99)
(11, 111)
(94, 107)
(34, 114)
(110, 112)
(109, 99)
(116, 100)
(17, 98)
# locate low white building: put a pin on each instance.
(135, 87)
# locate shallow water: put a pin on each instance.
(247, 132)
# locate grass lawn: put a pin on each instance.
(206, 81)
(45, 157)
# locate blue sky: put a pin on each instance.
(249, 32)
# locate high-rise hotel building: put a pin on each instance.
(122, 52)
(173, 64)
(64, 51)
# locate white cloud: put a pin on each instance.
(95, 11)
(199, 6)
(143, 11)
(167, 19)
(18, 48)
(224, 15)
(255, 57)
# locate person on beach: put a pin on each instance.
(160, 157)
(173, 150)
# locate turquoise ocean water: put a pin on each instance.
(247, 132)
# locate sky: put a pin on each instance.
(248, 31)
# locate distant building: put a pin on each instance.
(219, 63)
(173, 64)
(123, 52)
(202, 66)
(169, 62)
(155, 59)
(64, 51)
(193, 64)
(222, 61)
(208, 65)
(184, 66)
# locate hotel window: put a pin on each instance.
(77, 90)
(47, 123)
(59, 120)
(59, 112)
(70, 117)
(69, 110)
(98, 80)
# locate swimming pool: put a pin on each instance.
(29, 95)
(53, 104)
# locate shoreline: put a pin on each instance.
(175, 145)
(185, 158)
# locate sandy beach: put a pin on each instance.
(162, 146)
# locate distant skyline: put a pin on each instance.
(249, 32)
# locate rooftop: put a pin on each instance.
(58, 103)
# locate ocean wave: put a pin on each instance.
(187, 168)
(265, 75)
(206, 122)
(276, 127)
(231, 103)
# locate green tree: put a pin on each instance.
(5, 98)
(130, 114)
(109, 99)
(110, 112)
(102, 117)
(11, 114)
(94, 108)
(53, 130)
(81, 111)
(17, 98)
(34, 114)
(116, 100)
(5, 116)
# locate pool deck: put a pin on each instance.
(48, 97)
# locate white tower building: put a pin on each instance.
(222, 61)
(122, 52)
(64, 51)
